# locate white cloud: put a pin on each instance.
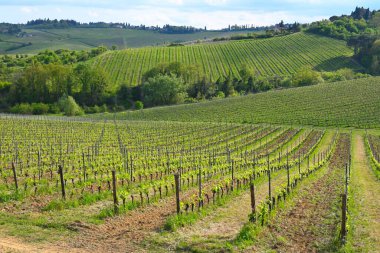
(28, 9)
(216, 2)
(93, 13)
(176, 2)
(211, 19)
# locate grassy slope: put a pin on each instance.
(273, 56)
(344, 104)
(85, 38)
(364, 224)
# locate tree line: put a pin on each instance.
(76, 89)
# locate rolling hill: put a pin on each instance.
(274, 56)
(354, 103)
(87, 38)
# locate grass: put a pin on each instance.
(48, 226)
(274, 56)
(363, 228)
(343, 104)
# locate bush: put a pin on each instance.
(220, 94)
(39, 108)
(23, 108)
(54, 109)
(139, 105)
(68, 105)
(103, 108)
(306, 76)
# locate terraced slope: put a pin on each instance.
(274, 56)
(353, 103)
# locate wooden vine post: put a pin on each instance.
(299, 162)
(15, 175)
(60, 172)
(343, 229)
(200, 189)
(232, 175)
(346, 182)
(253, 202)
(176, 180)
(269, 186)
(114, 193)
(287, 171)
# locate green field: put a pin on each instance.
(274, 56)
(86, 38)
(353, 103)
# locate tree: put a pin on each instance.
(246, 72)
(94, 84)
(163, 90)
(189, 73)
(202, 89)
(227, 86)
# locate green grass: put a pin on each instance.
(274, 56)
(86, 38)
(353, 103)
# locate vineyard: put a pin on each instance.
(101, 180)
(275, 56)
(344, 104)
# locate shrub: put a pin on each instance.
(23, 108)
(220, 94)
(54, 109)
(139, 105)
(306, 76)
(68, 105)
(39, 108)
(103, 108)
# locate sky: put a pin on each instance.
(214, 14)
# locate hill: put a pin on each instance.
(353, 103)
(34, 40)
(274, 56)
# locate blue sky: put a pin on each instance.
(199, 13)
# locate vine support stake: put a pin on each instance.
(288, 175)
(200, 189)
(60, 172)
(232, 175)
(253, 202)
(344, 218)
(176, 180)
(114, 192)
(15, 175)
(299, 162)
(269, 189)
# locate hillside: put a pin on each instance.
(86, 38)
(343, 104)
(274, 56)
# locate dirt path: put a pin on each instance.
(308, 223)
(125, 233)
(366, 196)
(14, 245)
